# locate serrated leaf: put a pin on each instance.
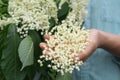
(26, 52)
(66, 76)
(10, 63)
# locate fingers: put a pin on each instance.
(82, 56)
(46, 52)
(43, 45)
(46, 36)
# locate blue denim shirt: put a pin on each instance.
(102, 65)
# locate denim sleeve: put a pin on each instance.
(104, 15)
(117, 60)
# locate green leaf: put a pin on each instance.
(66, 76)
(37, 51)
(4, 8)
(52, 74)
(10, 63)
(36, 38)
(3, 34)
(43, 71)
(26, 51)
(63, 12)
(1, 75)
(52, 23)
(57, 2)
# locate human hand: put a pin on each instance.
(94, 43)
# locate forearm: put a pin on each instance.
(110, 42)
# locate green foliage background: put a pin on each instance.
(11, 60)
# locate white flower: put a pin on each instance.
(78, 13)
(67, 42)
(5, 22)
(32, 14)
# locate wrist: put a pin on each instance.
(96, 37)
(105, 39)
(102, 39)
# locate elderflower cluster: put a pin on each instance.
(5, 22)
(67, 39)
(63, 46)
(78, 13)
(32, 14)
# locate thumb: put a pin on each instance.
(82, 56)
(87, 52)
